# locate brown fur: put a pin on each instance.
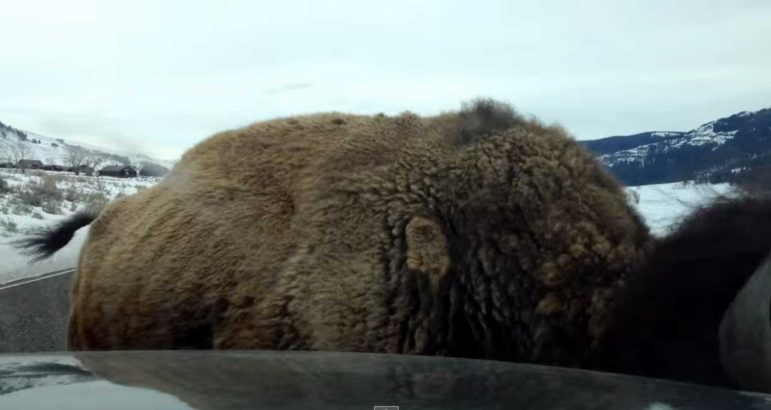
(356, 233)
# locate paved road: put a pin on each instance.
(33, 313)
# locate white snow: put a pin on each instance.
(665, 133)
(13, 265)
(638, 153)
(662, 206)
(706, 134)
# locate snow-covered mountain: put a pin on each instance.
(54, 151)
(714, 151)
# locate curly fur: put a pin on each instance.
(482, 117)
(666, 323)
(356, 233)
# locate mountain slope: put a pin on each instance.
(716, 151)
(54, 151)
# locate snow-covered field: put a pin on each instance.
(39, 199)
(662, 206)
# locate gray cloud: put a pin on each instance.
(161, 76)
(288, 87)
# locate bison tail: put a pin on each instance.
(45, 243)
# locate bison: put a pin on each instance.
(477, 233)
(697, 309)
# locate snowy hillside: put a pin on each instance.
(717, 151)
(54, 151)
(671, 140)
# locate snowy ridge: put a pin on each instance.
(706, 134)
(636, 154)
(723, 150)
(665, 133)
(54, 151)
(701, 136)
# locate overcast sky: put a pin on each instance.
(158, 76)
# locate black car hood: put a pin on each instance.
(326, 380)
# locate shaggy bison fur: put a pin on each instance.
(476, 233)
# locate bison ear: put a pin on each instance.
(745, 333)
(427, 249)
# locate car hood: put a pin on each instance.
(328, 380)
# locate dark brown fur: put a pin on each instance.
(470, 234)
(484, 117)
(668, 317)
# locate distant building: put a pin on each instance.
(83, 169)
(120, 171)
(29, 164)
(53, 167)
(153, 170)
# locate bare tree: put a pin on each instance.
(76, 157)
(18, 151)
(5, 153)
(93, 161)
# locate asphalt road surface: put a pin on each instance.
(33, 313)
